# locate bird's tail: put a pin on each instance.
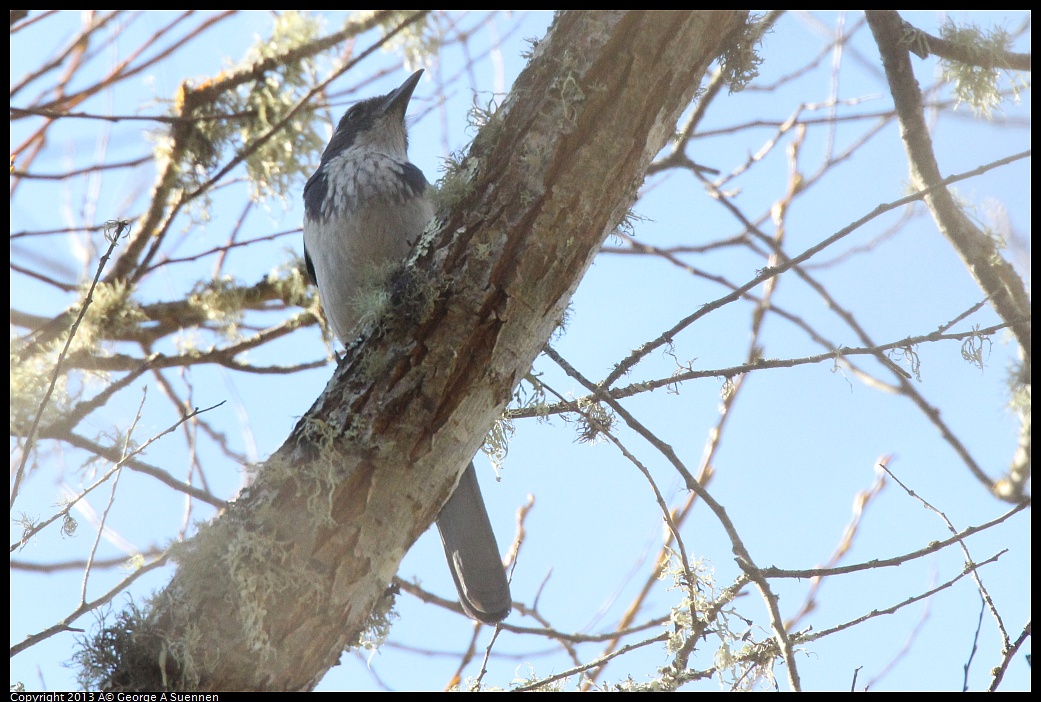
(473, 555)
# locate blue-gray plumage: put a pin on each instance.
(364, 209)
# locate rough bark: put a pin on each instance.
(269, 594)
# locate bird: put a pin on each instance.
(365, 206)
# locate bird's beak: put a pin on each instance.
(397, 101)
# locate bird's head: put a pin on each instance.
(376, 124)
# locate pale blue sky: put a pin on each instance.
(800, 444)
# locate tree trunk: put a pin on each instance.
(270, 593)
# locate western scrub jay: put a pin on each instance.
(364, 208)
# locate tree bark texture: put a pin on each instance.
(269, 594)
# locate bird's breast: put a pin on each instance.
(372, 212)
(351, 180)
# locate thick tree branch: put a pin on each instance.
(995, 276)
(269, 595)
